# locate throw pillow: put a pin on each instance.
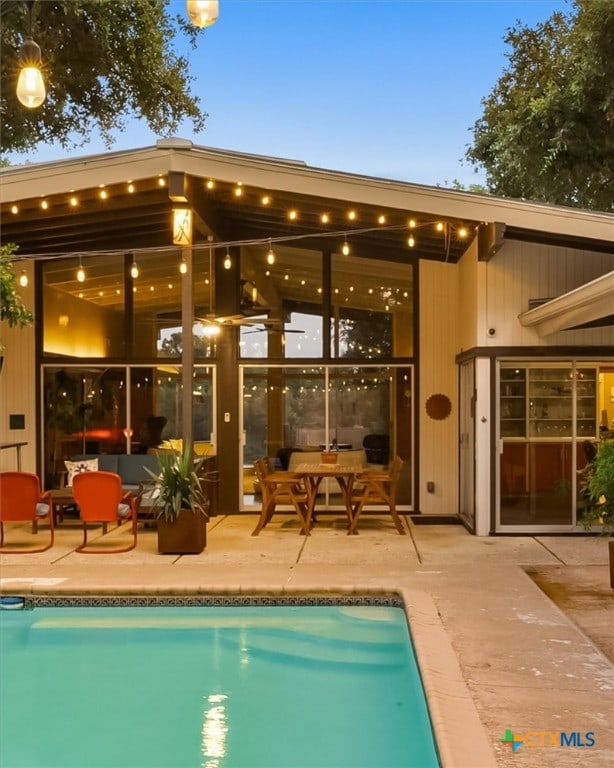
(74, 467)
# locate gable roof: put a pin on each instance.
(123, 200)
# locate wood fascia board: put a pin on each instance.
(589, 302)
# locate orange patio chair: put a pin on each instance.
(375, 487)
(100, 499)
(280, 487)
(21, 501)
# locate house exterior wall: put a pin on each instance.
(521, 271)
(18, 387)
(437, 443)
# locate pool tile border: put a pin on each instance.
(208, 601)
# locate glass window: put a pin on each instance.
(282, 303)
(371, 308)
(84, 317)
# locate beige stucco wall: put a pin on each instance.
(439, 334)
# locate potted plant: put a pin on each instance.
(180, 504)
(599, 488)
(12, 308)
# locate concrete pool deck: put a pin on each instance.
(495, 652)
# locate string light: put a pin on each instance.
(227, 260)
(345, 248)
(203, 13)
(80, 272)
(411, 241)
(183, 267)
(30, 84)
(270, 257)
(23, 279)
(134, 270)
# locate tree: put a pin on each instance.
(547, 129)
(103, 63)
(12, 308)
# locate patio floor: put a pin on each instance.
(495, 651)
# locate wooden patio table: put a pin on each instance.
(344, 474)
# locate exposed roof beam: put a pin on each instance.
(585, 304)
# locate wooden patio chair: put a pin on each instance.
(21, 501)
(280, 487)
(375, 487)
(100, 499)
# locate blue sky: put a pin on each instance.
(387, 88)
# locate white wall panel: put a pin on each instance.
(439, 332)
(17, 387)
(522, 271)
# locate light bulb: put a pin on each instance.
(411, 241)
(134, 271)
(270, 257)
(23, 279)
(30, 84)
(183, 267)
(81, 274)
(227, 261)
(203, 13)
(345, 248)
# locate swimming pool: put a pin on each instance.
(248, 686)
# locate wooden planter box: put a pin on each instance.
(185, 536)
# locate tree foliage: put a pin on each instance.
(104, 62)
(547, 129)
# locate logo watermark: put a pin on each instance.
(548, 739)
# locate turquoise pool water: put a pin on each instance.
(211, 687)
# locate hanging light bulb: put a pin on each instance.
(345, 248)
(270, 257)
(80, 272)
(134, 270)
(411, 241)
(227, 261)
(30, 84)
(203, 13)
(23, 279)
(183, 267)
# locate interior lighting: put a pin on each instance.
(103, 194)
(30, 84)
(44, 205)
(345, 248)
(352, 215)
(161, 181)
(439, 226)
(23, 279)
(324, 218)
(265, 199)
(381, 219)
(130, 187)
(292, 215)
(80, 272)
(463, 232)
(73, 202)
(411, 223)
(238, 190)
(203, 13)
(227, 260)
(14, 209)
(210, 184)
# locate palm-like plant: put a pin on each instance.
(599, 485)
(179, 486)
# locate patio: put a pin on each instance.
(495, 652)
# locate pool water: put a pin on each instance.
(222, 687)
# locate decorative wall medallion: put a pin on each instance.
(438, 407)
